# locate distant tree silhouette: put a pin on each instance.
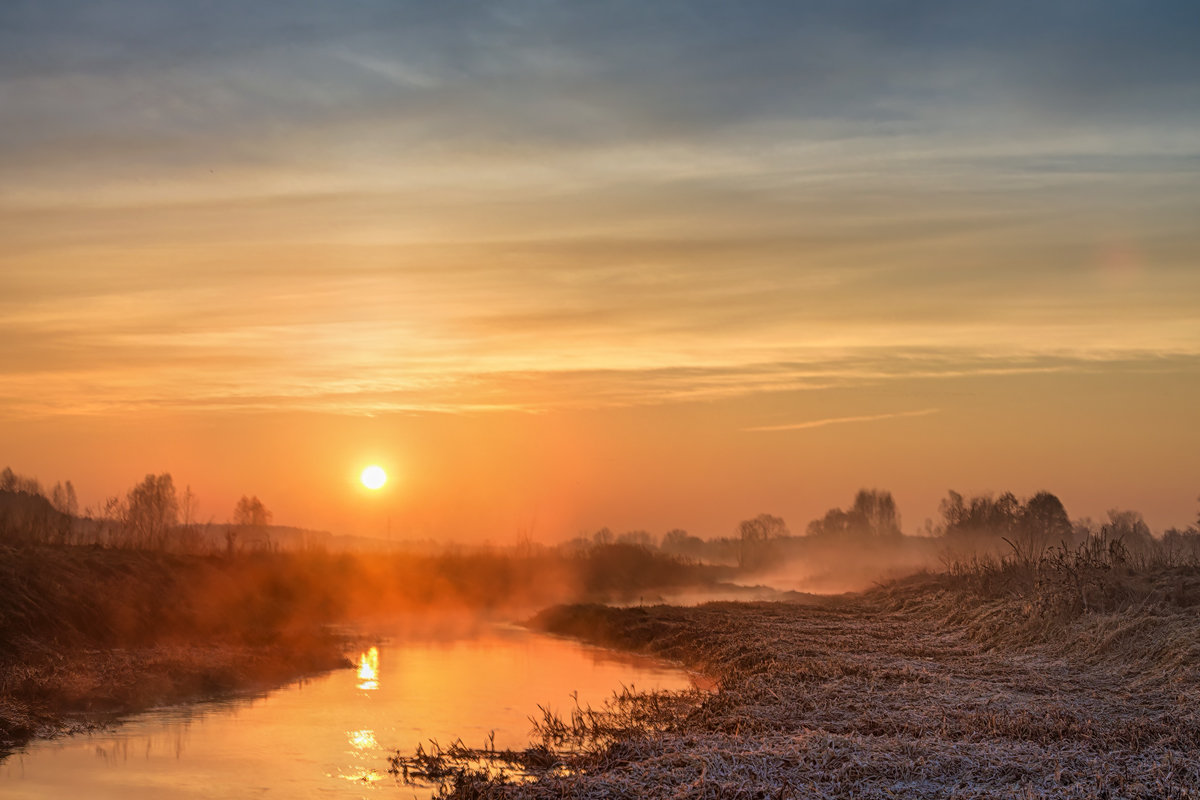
(1041, 522)
(637, 539)
(251, 513)
(840, 524)
(878, 508)
(1181, 546)
(1130, 529)
(30, 518)
(1027, 528)
(250, 516)
(12, 482)
(873, 513)
(754, 536)
(981, 515)
(62, 497)
(151, 511)
(679, 542)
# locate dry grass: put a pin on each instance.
(47, 691)
(922, 689)
(86, 631)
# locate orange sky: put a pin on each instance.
(559, 270)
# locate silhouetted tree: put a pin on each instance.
(62, 497)
(12, 482)
(637, 539)
(251, 513)
(250, 516)
(151, 511)
(1040, 522)
(754, 536)
(878, 508)
(1181, 546)
(980, 516)
(873, 513)
(30, 518)
(841, 524)
(1130, 530)
(679, 542)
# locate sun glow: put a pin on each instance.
(373, 477)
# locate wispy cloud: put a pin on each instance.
(548, 205)
(820, 423)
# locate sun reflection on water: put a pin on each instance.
(363, 740)
(368, 670)
(366, 750)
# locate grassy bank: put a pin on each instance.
(87, 632)
(937, 686)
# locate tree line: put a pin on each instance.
(151, 515)
(1023, 529)
(154, 515)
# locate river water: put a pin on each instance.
(330, 736)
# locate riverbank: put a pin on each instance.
(48, 692)
(926, 688)
(88, 633)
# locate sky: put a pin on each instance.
(559, 266)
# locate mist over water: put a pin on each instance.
(330, 736)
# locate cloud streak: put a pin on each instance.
(820, 423)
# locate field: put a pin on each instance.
(925, 688)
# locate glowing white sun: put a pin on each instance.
(373, 477)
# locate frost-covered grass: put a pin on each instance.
(924, 688)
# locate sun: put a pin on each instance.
(373, 477)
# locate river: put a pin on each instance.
(330, 736)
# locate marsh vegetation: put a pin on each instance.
(938, 686)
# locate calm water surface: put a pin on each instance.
(329, 737)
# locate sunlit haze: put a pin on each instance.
(560, 266)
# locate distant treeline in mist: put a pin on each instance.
(845, 549)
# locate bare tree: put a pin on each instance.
(681, 543)
(637, 539)
(1041, 522)
(12, 482)
(878, 508)
(62, 497)
(755, 534)
(152, 511)
(251, 513)
(250, 516)
(872, 514)
(981, 518)
(1131, 530)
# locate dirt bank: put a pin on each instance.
(916, 691)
